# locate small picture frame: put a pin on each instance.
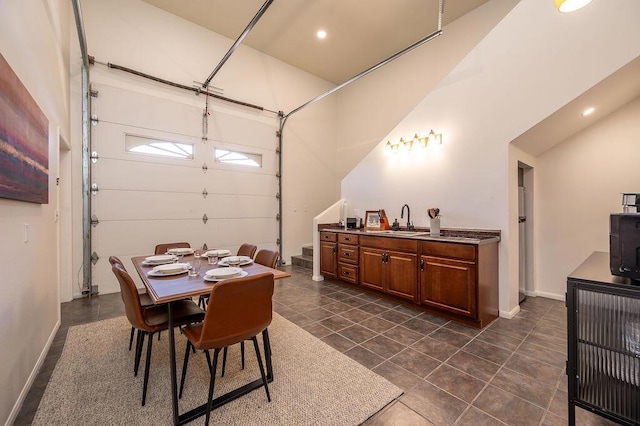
(372, 219)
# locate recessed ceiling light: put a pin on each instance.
(321, 34)
(588, 111)
(571, 5)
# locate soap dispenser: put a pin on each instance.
(395, 226)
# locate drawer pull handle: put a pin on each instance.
(347, 255)
(346, 273)
(347, 239)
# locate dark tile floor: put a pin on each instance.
(512, 372)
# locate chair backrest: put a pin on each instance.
(238, 309)
(267, 257)
(247, 250)
(113, 260)
(130, 297)
(162, 248)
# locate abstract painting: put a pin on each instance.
(24, 142)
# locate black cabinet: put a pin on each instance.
(603, 334)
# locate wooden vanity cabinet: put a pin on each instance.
(460, 279)
(390, 265)
(328, 254)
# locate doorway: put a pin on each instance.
(525, 231)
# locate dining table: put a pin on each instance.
(172, 288)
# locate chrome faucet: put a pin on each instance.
(410, 226)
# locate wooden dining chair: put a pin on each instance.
(239, 310)
(145, 300)
(247, 250)
(162, 248)
(267, 257)
(152, 319)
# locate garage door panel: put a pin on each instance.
(118, 105)
(128, 175)
(230, 206)
(134, 205)
(233, 129)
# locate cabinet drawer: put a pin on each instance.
(397, 244)
(451, 250)
(348, 239)
(348, 254)
(328, 236)
(348, 273)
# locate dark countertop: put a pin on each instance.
(596, 269)
(448, 235)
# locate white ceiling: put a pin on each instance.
(363, 33)
(360, 33)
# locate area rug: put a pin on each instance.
(93, 382)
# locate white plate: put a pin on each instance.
(218, 253)
(214, 279)
(222, 272)
(159, 259)
(180, 250)
(170, 269)
(244, 260)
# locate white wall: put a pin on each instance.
(33, 39)
(579, 184)
(533, 62)
(370, 107)
(137, 35)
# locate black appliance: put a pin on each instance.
(624, 245)
(352, 222)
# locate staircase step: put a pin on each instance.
(307, 250)
(302, 260)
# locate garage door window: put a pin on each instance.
(238, 158)
(158, 147)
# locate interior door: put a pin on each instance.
(143, 196)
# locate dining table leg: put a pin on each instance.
(172, 357)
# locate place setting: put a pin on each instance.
(180, 251)
(219, 274)
(169, 269)
(235, 261)
(159, 259)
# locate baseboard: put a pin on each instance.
(553, 296)
(317, 278)
(32, 377)
(510, 314)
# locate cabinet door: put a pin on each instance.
(371, 268)
(328, 259)
(449, 284)
(402, 275)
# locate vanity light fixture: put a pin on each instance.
(415, 143)
(571, 5)
(321, 34)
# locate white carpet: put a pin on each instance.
(93, 382)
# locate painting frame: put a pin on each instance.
(24, 141)
(372, 220)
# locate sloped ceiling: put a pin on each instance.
(618, 89)
(359, 33)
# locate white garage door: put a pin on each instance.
(158, 181)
